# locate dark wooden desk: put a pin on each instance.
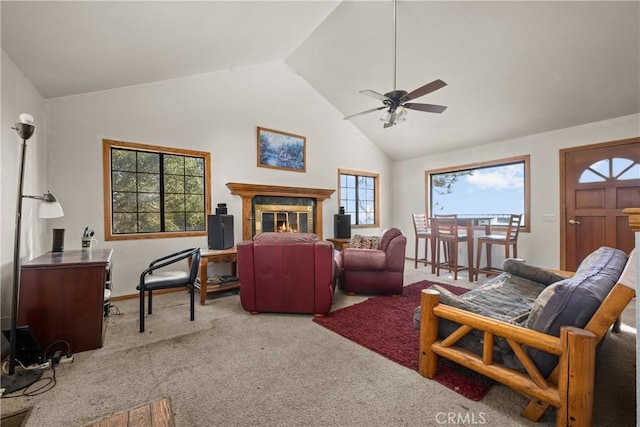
(62, 297)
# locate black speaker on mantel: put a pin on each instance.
(342, 226)
(221, 209)
(220, 231)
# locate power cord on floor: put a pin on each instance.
(49, 382)
(114, 310)
(66, 345)
(33, 367)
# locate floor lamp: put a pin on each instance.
(50, 208)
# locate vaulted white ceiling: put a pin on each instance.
(512, 68)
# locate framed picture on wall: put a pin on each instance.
(281, 150)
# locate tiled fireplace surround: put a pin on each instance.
(277, 208)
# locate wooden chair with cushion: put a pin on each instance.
(447, 234)
(152, 280)
(507, 240)
(423, 231)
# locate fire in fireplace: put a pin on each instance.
(283, 214)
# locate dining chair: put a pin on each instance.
(152, 280)
(448, 234)
(423, 231)
(510, 238)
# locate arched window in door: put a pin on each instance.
(616, 168)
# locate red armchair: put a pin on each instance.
(378, 271)
(287, 273)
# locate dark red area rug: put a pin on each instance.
(384, 324)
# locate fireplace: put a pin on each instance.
(275, 208)
(283, 214)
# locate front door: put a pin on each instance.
(599, 182)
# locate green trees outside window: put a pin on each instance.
(156, 191)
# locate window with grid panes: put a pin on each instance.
(155, 191)
(359, 195)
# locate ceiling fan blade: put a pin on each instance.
(429, 108)
(364, 112)
(374, 94)
(421, 91)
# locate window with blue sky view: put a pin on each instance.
(493, 190)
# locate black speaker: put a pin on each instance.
(220, 231)
(221, 209)
(342, 226)
(58, 240)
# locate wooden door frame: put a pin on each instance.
(563, 196)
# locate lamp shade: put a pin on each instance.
(50, 210)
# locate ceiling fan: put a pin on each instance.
(396, 102)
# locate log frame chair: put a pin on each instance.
(569, 387)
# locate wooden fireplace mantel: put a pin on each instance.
(249, 191)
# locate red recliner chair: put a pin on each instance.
(287, 273)
(376, 271)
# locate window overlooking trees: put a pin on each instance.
(491, 189)
(154, 191)
(359, 194)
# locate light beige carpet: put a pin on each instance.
(16, 419)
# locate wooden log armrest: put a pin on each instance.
(572, 393)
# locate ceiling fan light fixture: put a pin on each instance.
(386, 116)
(401, 114)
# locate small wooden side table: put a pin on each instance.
(339, 244)
(215, 255)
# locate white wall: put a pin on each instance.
(216, 112)
(19, 96)
(542, 245)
